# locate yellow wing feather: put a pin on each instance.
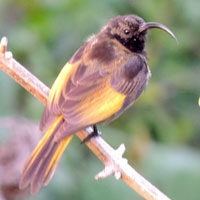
(60, 81)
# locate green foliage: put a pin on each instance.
(161, 131)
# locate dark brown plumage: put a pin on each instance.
(101, 80)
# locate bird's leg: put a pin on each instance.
(92, 134)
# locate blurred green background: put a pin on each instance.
(161, 131)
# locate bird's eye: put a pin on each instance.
(126, 31)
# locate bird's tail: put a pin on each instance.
(40, 166)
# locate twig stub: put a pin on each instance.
(3, 45)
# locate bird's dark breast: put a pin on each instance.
(130, 80)
(133, 66)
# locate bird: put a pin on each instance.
(102, 79)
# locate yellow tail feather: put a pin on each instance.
(40, 166)
(52, 165)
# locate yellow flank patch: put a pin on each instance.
(101, 105)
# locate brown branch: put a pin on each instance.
(112, 159)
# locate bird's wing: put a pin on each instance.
(83, 95)
(86, 95)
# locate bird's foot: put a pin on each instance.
(92, 134)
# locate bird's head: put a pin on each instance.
(131, 31)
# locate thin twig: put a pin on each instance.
(112, 159)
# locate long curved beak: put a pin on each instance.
(149, 25)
